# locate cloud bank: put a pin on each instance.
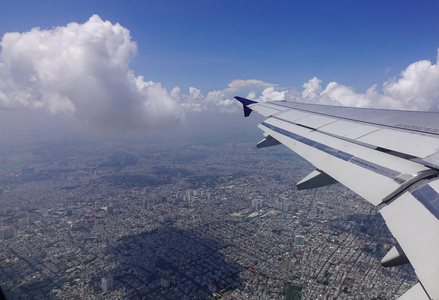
(417, 88)
(82, 71)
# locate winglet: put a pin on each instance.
(245, 103)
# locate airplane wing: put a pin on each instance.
(389, 157)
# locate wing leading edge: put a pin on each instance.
(388, 157)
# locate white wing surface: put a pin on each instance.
(389, 157)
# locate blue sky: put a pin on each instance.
(207, 44)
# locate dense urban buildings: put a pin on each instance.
(195, 220)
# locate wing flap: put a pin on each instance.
(348, 130)
(359, 168)
(292, 115)
(412, 221)
(405, 142)
(314, 121)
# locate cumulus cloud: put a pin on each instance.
(238, 84)
(82, 70)
(223, 100)
(416, 88)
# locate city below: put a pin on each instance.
(184, 220)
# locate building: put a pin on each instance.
(168, 218)
(107, 284)
(257, 204)
(281, 205)
(299, 240)
(212, 287)
(165, 282)
(189, 194)
(5, 232)
(109, 209)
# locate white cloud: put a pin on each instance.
(82, 70)
(238, 84)
(312, 89)
(416, 89)
(223, 100)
